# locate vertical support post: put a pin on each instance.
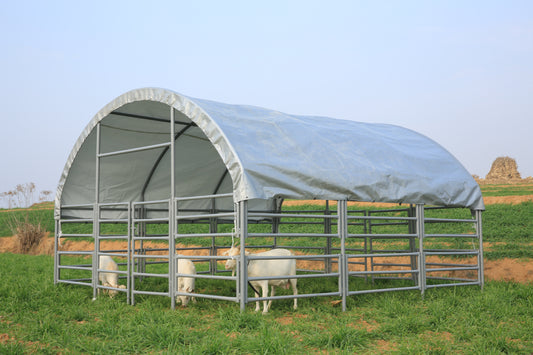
(370, 248)
(275, 222)
(342, 228)
(141, 263)
(172, 220)
(242, 233)
(130, 254)
(421, 258)
(56, 248)
(213, 229)
(411, 212)
(327, 230)
(481, 271)
(172, 261)
(135, 264)
(365, 242)
(96, 214)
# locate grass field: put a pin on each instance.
(507, 190)
(39, 317)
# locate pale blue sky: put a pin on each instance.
(460, 72)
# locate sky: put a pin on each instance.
(459, 72)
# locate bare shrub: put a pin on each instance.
(28, 234)
(27, 227)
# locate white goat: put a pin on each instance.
(266, 267)
(109, 279)
(185, 284)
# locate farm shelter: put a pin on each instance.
(173, 177)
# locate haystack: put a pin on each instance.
(504, 169)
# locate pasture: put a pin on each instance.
(37, 316)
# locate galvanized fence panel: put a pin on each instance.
(407, 247)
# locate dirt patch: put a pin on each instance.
(509, 270)
(5, 338)
(491, 200)
(385, 347)
(286, 320)
(363, 324)
(45, 247)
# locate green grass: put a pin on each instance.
(37, 316)
(503, 222)
(507, 190)
(513, 250)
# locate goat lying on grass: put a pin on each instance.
(109, 279)
(265, 267)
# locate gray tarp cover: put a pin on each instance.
(268, 155)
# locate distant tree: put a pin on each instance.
(24, 195)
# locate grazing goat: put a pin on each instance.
(185, 284)
(109, 279)
(266, 267)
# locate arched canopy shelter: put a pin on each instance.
(155, 158)
(259, 155)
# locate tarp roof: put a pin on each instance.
(256, 153)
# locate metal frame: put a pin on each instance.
(343, 253)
